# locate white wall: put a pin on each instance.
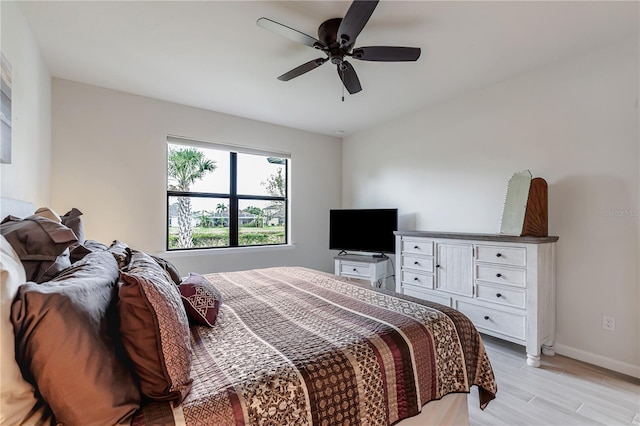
(109, 161)
(27, 177)
(573, 123)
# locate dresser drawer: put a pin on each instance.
(420, 280)
(417, 246)
(506, 323)
(356, 270)
(500, 294)
(501, 275)
(424, 264)
(515, 256)
(421, 293)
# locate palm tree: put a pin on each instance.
(204, 219)
(258, 220)
(220, 209)
(185, 167)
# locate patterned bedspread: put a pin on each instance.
(293, 346)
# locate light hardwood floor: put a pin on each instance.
(562, 391)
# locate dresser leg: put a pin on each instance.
(533, 360)
(548, 350)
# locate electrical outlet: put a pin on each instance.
(608, 322)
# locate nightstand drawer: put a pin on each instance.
(419, 280)
(501, 275)
(354, 270)
(418, 263)
(417, 246)
(506, 323)
(516, 256)
(503, 295)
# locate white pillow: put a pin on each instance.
(16, 395)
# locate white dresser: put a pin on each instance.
(504, 284)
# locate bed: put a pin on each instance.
(286, 346)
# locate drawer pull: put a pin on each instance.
(416, 263)
(416, 279)
(486, 317)
(498, 295)
(498, 275)
(498, 254)
(416, 247)
(355, 270)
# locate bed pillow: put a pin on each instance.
(121, 252)
(169, 268)
(79, 251)
(73, 221)
(155, 329)
(17, 397)
(48, 213)
(41, 245)
(201, 299)
(67, 346)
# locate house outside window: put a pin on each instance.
(225, 196)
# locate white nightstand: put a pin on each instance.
(372, 269)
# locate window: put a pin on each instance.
(225, 196)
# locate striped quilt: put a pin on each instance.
(293, 346)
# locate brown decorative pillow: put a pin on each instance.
(201, 299)
(67, 347)
(155, 330)
(73, 221)
(121, 252)
(41, 245)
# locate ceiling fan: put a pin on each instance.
(336, 38)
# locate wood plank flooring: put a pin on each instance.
(562, 391)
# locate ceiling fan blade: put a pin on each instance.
(298, 71)
(354, 21)
(386, 53)
(349, 77)
(289, 33)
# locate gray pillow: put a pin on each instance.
(121, 252)
(73, 221)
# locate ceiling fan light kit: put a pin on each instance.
(336, 38)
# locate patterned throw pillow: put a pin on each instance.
(201, 299)
(155, 329)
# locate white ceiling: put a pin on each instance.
(212, 55)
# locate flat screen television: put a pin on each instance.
(367, 230)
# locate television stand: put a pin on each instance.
(370, 268)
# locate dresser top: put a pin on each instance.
(478, 237)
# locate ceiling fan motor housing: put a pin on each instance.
(328, 34)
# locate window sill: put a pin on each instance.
(226, 250)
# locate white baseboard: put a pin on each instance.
(599, 360)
